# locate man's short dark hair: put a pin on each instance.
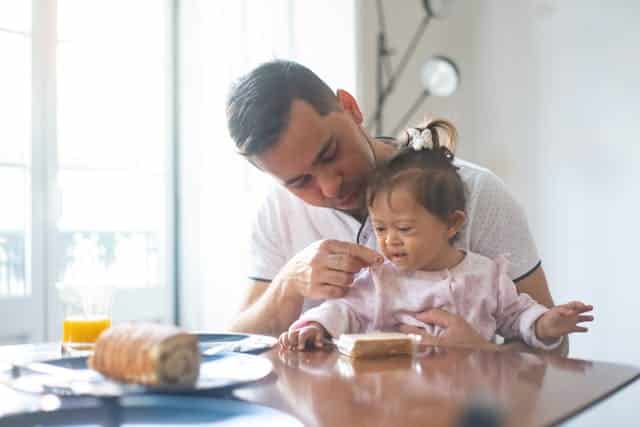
(259, 104)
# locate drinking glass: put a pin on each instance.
(87, 315)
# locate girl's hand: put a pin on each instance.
(456, 331)
(562, 319)
(311, 335)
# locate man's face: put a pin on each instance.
(411, 237)
(324, 160)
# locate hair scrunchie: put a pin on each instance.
(420, 139)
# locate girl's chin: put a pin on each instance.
(402, 265)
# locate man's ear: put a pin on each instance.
(456, 221)
(349, 105)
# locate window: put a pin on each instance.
(85, 163)
(112, 142)
(15, 137)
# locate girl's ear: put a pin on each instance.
(349, 105)
(455, 223)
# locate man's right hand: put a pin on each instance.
(326, 268)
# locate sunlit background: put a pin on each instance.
(115, 162)
(116, 167)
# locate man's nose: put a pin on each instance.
(330, 184)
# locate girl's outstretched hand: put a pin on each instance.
(311, 335)
(563, 319)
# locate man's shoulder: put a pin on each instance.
(471, 171)
(479, 180)
(291, 212)
(283, 200)
(279, 198)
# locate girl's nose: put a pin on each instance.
(392, 238)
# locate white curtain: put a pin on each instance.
(219, 191)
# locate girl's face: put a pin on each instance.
(411, 237)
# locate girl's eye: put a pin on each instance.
(379, 229)
(404, 229)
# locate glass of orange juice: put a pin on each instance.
(87, 314)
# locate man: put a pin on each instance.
(290, 124)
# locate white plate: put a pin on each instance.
(216, 372)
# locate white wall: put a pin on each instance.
(550, 101)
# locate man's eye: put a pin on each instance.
(331, 154)
(302, 182)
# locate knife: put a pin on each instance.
(67, 374)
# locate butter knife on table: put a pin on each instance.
(252, 343)
(60, 380)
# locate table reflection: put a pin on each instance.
(433, 387)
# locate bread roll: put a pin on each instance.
(147, 353)
(375, 344)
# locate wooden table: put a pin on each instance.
(322, 388)
(326, 389)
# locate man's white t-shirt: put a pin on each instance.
(496, 225)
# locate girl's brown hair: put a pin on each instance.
(429, 174)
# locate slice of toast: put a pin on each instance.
(375, 344)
